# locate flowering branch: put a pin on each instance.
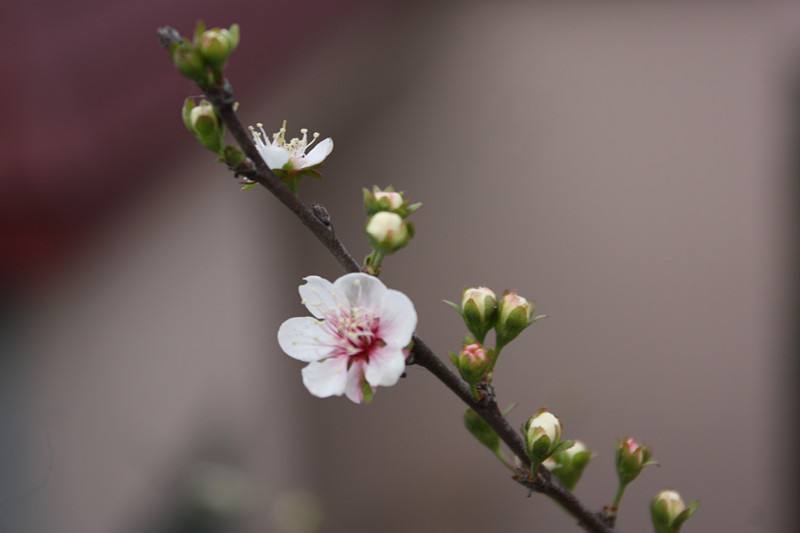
(278, 165)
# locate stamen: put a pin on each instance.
(313, 139)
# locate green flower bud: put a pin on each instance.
(479, 429)
(188, 61)
(473, 362)
(479, 310)
(201, 119)
(388, 231)
(631, 458)
(568, 464)
(668, 511)
(216, 44)
(542, 436)
(515, 313)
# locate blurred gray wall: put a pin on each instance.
(622, 166)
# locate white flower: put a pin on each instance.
(279, 154)
(356, 339)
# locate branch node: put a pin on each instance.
(322, 215)
(167, 35)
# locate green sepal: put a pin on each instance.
(453, 305)
(199, 29)
(685, 515)
(367, 391)
(186, 111)
(562, 446)
(233, 35)
(232, 156)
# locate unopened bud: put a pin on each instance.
(668, 511)
(377, 200)
(568, 464)
(515, 313)
(542, 436)
(216, 44)
(188, 61)
(388, 231)
(479, 309)
(631, 458)
(201, 119)
(473, 362)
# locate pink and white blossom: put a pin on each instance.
(356, 339)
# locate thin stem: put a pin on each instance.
(318, 221)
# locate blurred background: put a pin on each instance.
(629, 167)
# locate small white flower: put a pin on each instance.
(356, 339)
(279, 154)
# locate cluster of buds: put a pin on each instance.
(508, 316)
(203, 58)
(567, 465)
(669, 513)
(542, 434)
(387, 226)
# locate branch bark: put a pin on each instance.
(317, 220)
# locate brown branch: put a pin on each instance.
(318, 221)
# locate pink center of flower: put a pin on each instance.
(358, 334)
(632, 445)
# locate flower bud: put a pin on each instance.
(479, 309)
(388, 231)
(632, 457)
(568, 464)
(202, 120)
(377, 200)
(188, 61)
(514, 314)
(473, 362)
(668, 511)
(216, 44)
(542, 436)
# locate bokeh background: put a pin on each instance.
(628, 166)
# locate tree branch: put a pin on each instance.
(318, 221)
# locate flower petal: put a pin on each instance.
(306, 339)
(274, 156)
(385, 366)
(398, 319)
(354, 376)
(326, 378)
(319, 296)
(318, 154)
(361, 290)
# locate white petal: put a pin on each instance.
(274, 156)
(326, 378)
(318, 154)
(306, 339)
(321, 299)
(385, 366)
(354, 377)
(398, 319)
(361, 290)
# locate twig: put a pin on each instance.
(318, 221)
